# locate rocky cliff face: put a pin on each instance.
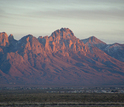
(57, 59)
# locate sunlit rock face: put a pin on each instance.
(60, 58)
(4, 39)
(61, 40)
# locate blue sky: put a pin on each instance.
(101, 18)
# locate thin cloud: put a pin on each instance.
(80, 14)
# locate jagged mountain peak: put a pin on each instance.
(11, 37)
(26, 38)
(63, 33)
(3, 34)
(12, 41)
(29, 35)
(67, 30)
(93, 40)
(63, 30)
(4, 39)
(61, 39)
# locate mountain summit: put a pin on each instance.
(93, 41)
(60, 58)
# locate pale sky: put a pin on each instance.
(103, 19)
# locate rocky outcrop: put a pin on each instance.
(4, 39)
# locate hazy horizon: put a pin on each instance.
(103, 19)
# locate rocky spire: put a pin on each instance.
(4, 39)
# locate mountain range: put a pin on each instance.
(60, 59)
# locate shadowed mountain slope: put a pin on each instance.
(115, 50)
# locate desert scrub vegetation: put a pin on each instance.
(37, 98)
(32, 96)
(58, 105)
